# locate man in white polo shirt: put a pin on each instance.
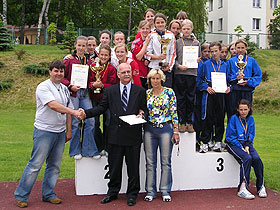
(54, 110)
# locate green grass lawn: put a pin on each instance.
(16, 127)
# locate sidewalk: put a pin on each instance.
(181, 200)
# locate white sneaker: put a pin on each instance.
(245, 194)
(148, 198)
(96, 157)
(166, 198)
(103, 153)
(203, 148)
(78, 157)
(218, 147)
(210, 145)
(262, 193)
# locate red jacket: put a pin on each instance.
(108, 78)
(136, 46)
(68, 71)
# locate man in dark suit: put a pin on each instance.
(124, 140)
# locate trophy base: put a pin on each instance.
(163, 64)
(240, 81)
(98, 90)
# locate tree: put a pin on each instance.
(40, 22)
(46, 14)
(5, 39)
(69, 37)
(239, 30)
(52, 30)
(22, 25)
(274, 29)
(4, 14)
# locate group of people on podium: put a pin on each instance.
(151, 81)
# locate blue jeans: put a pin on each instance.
(155, 138)
(88, 147)
(47, 146)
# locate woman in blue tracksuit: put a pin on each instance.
(252, 76)
(213, 104)
(240, 134)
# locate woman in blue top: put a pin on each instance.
(240, 134)
(161, 132)
(251, 75)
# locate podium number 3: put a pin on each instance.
(220, 161)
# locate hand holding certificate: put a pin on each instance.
(219, 83)
(79, 75)
(132, 119)
(190, 55)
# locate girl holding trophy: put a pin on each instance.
(103, 76)
(245, 75)
(161, 50)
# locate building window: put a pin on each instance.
(210, 26)
(220, 3)
(256, 24)
(220, 24)
(210, 5)
(273, 4)
(257, 3)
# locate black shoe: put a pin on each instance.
(131, 201)
(109, 198)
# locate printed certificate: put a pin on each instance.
(190, 55)
(219, 82)
(79, 75)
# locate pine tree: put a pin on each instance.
(5, 40)
(69, 37)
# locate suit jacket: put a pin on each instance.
(119, 132)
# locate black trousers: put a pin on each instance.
(115, 159)
(213, 124)
(236, 96)
(184, 87)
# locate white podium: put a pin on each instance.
(191, 170)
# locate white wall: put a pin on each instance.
(234, 13)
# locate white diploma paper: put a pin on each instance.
(219, 83)
(132, 119)
(79, 75)
(190, 55)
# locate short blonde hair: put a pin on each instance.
(187, 21)
(152, 73)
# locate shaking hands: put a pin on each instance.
(80, 114)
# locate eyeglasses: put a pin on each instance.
(125, 72)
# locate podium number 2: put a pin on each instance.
(107, 173)
(220, 168)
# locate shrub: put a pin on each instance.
(45, 64)
(5, 84)
(1, 64)
(69, 37)
(265, 76)
(20, 53)
(35, 69)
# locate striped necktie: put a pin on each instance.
(124, 98)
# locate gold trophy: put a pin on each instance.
(97, 69)
(164, 42)
(241, 66)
